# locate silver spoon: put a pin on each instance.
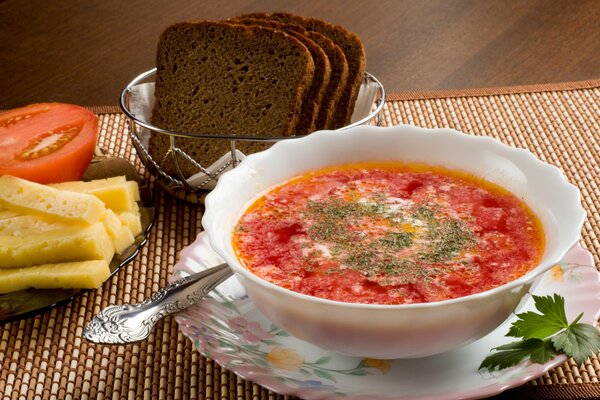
(128, 323)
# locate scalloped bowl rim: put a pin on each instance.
(213, 200)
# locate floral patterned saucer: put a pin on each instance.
(227, 328)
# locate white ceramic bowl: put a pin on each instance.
(395, 331)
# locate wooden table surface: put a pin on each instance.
(84, 52)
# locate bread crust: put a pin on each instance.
(313, 100)
(223, 78)
(337, 81)
(353, 50)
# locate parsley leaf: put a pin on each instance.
(579, 341)
(543, 353)
(513, 353)
(533, 325)
(545, 335)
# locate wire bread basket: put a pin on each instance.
(137, 100)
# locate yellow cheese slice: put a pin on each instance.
(118, 195)
(120, 233)
(32, 198)
(134, 189)
(132, 220)
(111, 222)
(75, 275)
(123, 239)
(61, 245)
(23, 225)
(84, 186)
(118, 230)
(5, 214)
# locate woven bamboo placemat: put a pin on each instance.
(45, 357)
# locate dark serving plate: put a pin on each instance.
(26, 303)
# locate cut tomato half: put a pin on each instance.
(47, 142)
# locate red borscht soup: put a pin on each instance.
(388, 233)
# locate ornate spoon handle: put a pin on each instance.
(129, 323)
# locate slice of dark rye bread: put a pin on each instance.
(314, 96)
(338, 77)
(351, 46)
(337, 80)
(222, 78)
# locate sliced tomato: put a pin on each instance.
(47, 142)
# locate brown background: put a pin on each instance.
(84, 52)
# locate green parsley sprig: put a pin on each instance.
(544, 336)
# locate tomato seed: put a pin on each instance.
(49, 142)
